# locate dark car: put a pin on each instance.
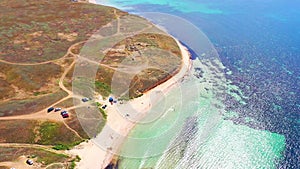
(104, 107)
(50, 109)
(57, 109)
(29, 162)
(85, 99)
(64, 114)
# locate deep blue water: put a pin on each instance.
(259, 42)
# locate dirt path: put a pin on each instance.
(41, 63)
(118, 22)
(54, 116)
(36, 146)
(61, 80)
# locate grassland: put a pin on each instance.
(34, 79)
(37, 31)
(67, 103)
(74, 123)
(17, 131)
(159, 52)
(54, 133)
(35, 39)
(6, 89)
(30, 105)
(37, 132)
(91, 120)
(42, 156)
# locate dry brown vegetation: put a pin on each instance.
(43, 156)
(30, 79)
(54, 133)
(39, 40)
(37, 132)
(74, 123)
(130, 52)
(67, 103)
(17, 131)
(30, 105)
(36, 31)
(35, 37)
(141, 42)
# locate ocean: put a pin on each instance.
(240, 107)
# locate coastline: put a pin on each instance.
(117, 126)
(99, 156)
(92, 1)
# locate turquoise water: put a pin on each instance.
(250, 119)
(193, 133)
(184, 6)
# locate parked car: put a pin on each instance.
(29, 162)
(57, 109)
(50, 109)
(104, 107)
(64, 114)
(85, 99)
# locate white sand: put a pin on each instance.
(118, 125)
(93, 1)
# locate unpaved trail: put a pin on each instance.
(61, 80)
(55, 116)
(42, 114)
(37, 146)
(41, 63)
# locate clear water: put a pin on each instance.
(255, 122)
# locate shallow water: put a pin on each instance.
(200, 136)
(251, 117)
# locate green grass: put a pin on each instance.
(72, 165)
(39, 93)
(73, 162)
(57, 134)
(61, 147)
(48, 130)
(67, 146)
(43, 156)
(102, 88)
(51, 158)
(103, 113)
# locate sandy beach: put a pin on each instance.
(98, 152)
(93, 1)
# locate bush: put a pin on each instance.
(103, 113)
(61, 147)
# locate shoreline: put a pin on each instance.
(113, 134)
(166, 87)
(92, 1)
